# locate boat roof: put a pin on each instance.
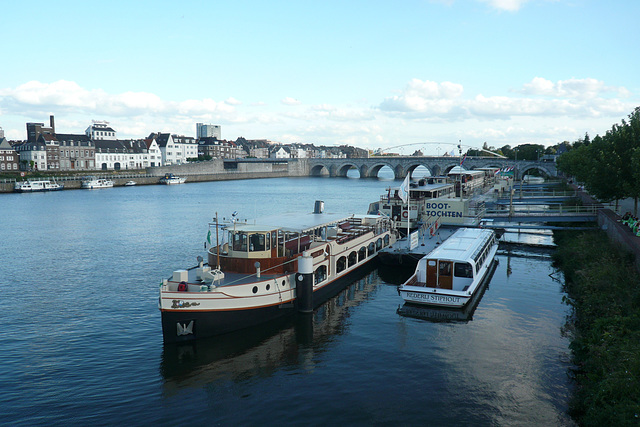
(295, 222)
(462, 244)
(415, 186)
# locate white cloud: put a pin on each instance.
(424, 96)
(232, 101)
(70, 96)
(508, 5)
(539, 111)
(290, 101)
(572, 88)
(431, 101)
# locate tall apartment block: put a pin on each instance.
(207, 131)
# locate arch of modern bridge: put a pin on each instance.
(402, 165)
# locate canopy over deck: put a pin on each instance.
(292, 222)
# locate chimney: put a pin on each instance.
(52, 124)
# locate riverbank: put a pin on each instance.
(213, 170)
(603, 289)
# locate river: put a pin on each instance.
(82, 341)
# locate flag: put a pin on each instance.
(209, 237)
(463, 159)
(404, 189)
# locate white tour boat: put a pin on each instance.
(129, 183)
(451, 274)
(93, 182)
(35, 185)
(171, 179)
(268, 269)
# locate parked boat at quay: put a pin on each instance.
(37, 185)
(171, 179)
(129, 183)
(452, 273)
(437, 198)
(267, 269)
(93, 182)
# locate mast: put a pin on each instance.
(408, 210)
(217, 245)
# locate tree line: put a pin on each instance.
(521, 152)
(608, 165)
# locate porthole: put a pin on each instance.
(255, 289)
(268, 286)
(284, 284)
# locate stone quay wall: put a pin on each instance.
(213, 170)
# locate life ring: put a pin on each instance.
(182, 287)
(405, 214)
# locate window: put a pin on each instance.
(256, 242)
(353, 258)
(341, 264)
(240, 242)
(463, 269)
(320, 275)
(445, 268)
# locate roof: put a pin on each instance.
(461, 245)
(293, 222)
(72, 137)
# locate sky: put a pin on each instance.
(397, 76)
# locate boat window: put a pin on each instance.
(463, 269)
(320, 275)
(257, 242)
(240, 241)
(362, 254)
(371, 248)
(274, 239)
(353, 258)
(445, 268)
(341, 264)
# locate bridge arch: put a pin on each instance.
(342, 169)
(319, 170)
(372, 170)
(412, 169)
(524, 171)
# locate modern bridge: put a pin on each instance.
(402, 165)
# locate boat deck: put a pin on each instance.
(228, 280)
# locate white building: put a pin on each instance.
(100, 131)
(154, 155)
(279, 153)
(33, 155)
(175, 149)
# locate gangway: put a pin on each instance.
(554, 213)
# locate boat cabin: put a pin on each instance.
(457, 262)
(276, 248)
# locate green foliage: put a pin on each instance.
(608, 165)
(603, 289)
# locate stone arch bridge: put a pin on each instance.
(402, 165)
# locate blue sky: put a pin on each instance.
(373, 74)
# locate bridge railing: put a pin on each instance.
(534, 210)
(543, 193)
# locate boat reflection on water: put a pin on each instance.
(264, 349)
(446, 314)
